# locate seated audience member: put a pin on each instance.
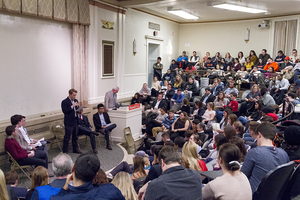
(286, 62)
(39, 177)
(180, 126)
(255, 166)
(184, 183)
(292, 142)
(229, 132)
(219, 103)
(168, 77)
(260, 65)
(191, 88)
(228, 58)
(241, 58)
(271, 63)
(232, 118)
(207, 55)
(223, 65)
(209, 114)
(248, 64)
(218, 141)
(158, 66)
(253, 75)
(216, 87)
(292, 98)
(239, 129)
(266, 97)
(182, 57)
(157, 122)
(217, 72)
(179, 83)
(155, 170)
(189, 152)
(242, 72)
(188, 134)
(253, 57)
(136, 99)
(100, 178)
(236, 66)
(164, 87)
(4, 194)
(11, 179)
(216, 59)
(280, 57)
(209, 64)
(85, 128)
(174, 68)
(225, 122)
(248, 105)
(124, 183)
(288, 72)
(229, 156)
(177, 98)
(282, 86)
(155, 87)
(295, 58)
(158, 103)
(166, 124)
(103, 124)
(194, 58)
(233, 103)
(255, 115)
(178, 143)
(139, 170)
(62, 166)
(195, 138)
(230, 89)
(200, 132)
(79, 184)
(199, 110)
(252, 135)
(37, 158)
(169, 92)
(264, 56)
(145, 94)
(190, 70)
(186, 106)
(195, 122)
(208, 97)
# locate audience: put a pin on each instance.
(3, 190)
(124, 183)
(189, 152)
(180, 126)
(12, 180)
(39, 177)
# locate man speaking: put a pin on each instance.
(110, 99)
(69, 107)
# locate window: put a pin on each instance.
(107, 58)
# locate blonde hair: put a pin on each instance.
(3, 190)
(124, 183)
(189, 152)
(178, 82)
(212, 105)
(253, 86)
(39, 177)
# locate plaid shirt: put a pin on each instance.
(168, 122)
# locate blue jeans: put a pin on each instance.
(297, 73)
(247, 137)
(219, 115)
(243, 120)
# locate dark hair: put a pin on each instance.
(156, 149)
(188, 133)
(168, 143)
(179, 141)
(11, 177)
(86, 167)
(263, 91)
(267, 130)
(209, 58)
(239, 142)
(276, 108)
(293, 95)
(234, 94)
(164, 109)
(241, 53)
(190, 66)
(220, 139)
(260, 105)
(71, 91)
(228, 153)
(199, 103)
(169, 155)
(208, 88)
(100, 178)
(252, 52)
(158, 58)
(173, 60)
(15, 119)
(201, 125)
(280, 51)
(229, 132)
(267, 119)
(139, 165)
(253, 126)
(166, 134)
(265, 50)
(233, 118)
(172, 111)
(10, 129)
(100, 105)
(239, 127)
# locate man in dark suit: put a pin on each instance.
(158, 103)
(208, 97)
(85, 128)
(217, 88)
(69, 106)
(103, 124)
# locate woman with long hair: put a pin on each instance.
(179, 82)
(199, 111)
(248, 105)
(253, 57)
(186, 106)
(241, 57)
(228, 158)
(224, 122)
(209, 114)
(3, 189)
(39, 177)
(232, 118)
(124, 183)
(239, 142)
(236, 66)
(255, 115)
(139, 168)
(220, 101)
(228, 58)
(189, 152)
(249, 64)
(229, 132)
(180, 126)
(100, 178)
(136, 99)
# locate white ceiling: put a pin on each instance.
(208, 13)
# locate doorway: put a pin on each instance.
(153, 53)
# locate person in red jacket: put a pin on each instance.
(20, 155)
(233, 103)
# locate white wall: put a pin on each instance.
(228, 37)
(35, 72)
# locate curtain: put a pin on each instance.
(80, 58)
(291, 33)
(45, 8)
(279, 37)
(72, 11)
(84, 12)
(12, 5)
(29, 7)
(59, 10)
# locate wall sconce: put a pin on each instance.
(134, 47)
(247, 35)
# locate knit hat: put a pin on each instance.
(287, 58)
(268, 109)
(292, 135)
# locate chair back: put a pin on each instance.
(245, 94)
(274, 183)
(129, 140)
(293, 188)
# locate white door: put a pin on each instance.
(153, 53)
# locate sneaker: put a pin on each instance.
(142, 136)
(109, 175)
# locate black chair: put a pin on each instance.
(274, 183)
(293, 188)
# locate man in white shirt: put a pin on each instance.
(281, 87)
(295, 58)
(194, 58)
(42, 145)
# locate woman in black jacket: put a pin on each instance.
(136, 99)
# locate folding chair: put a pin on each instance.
(15, 165)
(59, 133)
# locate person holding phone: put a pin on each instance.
(248, 105)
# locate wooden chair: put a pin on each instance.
(15, 165)
(129, 140)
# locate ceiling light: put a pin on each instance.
(183, 14)
(239, 8)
